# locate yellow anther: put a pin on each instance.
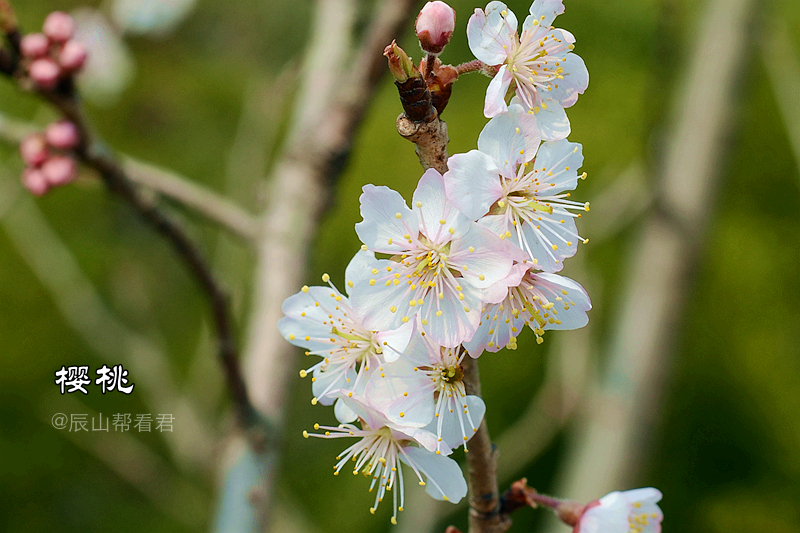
(326, 278)
(398, 215)
(303, 373)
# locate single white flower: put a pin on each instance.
(519, 197)
(632, 511)
(425, 388)
(540, 300)
(383, 446)
(442, 262)
(546, 75)
(323, 321)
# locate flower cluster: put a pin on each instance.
(46, 157)
(462, 269)
(53, 54)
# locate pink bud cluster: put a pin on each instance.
(46, 166)
(53, 54)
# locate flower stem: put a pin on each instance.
(484, 500)
(471, 66)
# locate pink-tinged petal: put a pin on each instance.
(439, 220)
(546, 11)
(382, 230)
(394, 342)
(304, 318)
(445, 481)
(482, 257)
(552, 121)
(560, 161)
(570, 311)
(498, 291)
(490, 34)
(405, 400)
(449, 321)
(510, 139)
(575, 82)
(494, 333)
(375, 299)
(343, 413)
(496, 93)
(358, 269)
(472, 183)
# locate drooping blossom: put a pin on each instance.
(546, 75)
(324, 322)
(442, 262)
(425, 388)
(632, 511)
(381, 449)
(537, 299)
(519, 197)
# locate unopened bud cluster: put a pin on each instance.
(48, 163)
(53, 54)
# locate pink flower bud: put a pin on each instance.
(45, 72)
(59, 26)
(59, 170)
(435, 24)
(33, 149)
(34, 45)
(34, 181)
(72, 56)
(62, 134)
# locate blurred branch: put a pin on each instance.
(188, 193)
(183, 190)
(783, 68)
(84, 310)
(335, 89)
(611, 439)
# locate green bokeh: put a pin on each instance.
(727, 444)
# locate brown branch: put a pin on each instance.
(484, 500)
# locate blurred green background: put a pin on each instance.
(205, 99)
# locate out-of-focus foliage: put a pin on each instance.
(727, 448)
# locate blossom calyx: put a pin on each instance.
(400, 64)
(435, 24)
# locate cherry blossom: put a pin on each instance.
(519, 197)
(323, 321)
(425, 387)
(546, 75)
(440, 267)
(632, 511)
(537, 299)
(381, 449)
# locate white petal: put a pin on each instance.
(472, 183)
(327, 385)
(545, 11)
(490, 35)
(381, 230)
(444, 477)
(450, 321)
(452, 433)
(575, 82)
(406, 399)
(557, 157)
(552, 121)
(358, 268)
(645, 495)
(496, 93)
(571, 310)
(343, 413)
(394, 342)
(436, 215)
(510, 139)
(490, 259)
